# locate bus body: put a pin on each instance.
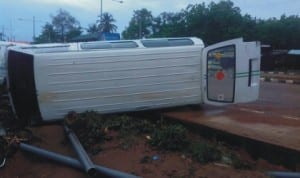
(46, 82)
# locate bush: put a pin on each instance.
(92, 127)
(172, 137)
(88, 127)
(129, 125)
(204, 153)
(237, 163)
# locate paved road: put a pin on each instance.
(278, 99)
(274, 118)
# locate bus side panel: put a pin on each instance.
(117, 80)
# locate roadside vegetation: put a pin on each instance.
(94, 129)
(213, 22)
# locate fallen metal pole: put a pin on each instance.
(105, 172)
(279, 174)
(82, 155)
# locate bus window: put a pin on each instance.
(96, 45)
(155, 43)
(124, 44)
(181, 42)
(167, 42)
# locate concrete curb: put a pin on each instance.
(275, 80)
(281, 73)
(290, 77)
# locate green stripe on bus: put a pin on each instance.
(241, 76)
(240, 73)
(252, 73)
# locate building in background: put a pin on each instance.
(280, 59)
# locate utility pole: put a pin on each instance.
(101, 7)
(101, 10)
(2, 34)
(34, 21)
(140, 27)
(33, 28)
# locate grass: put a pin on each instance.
(93, 129)
(204, 152)
(170, 137)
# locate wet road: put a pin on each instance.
(278, 99)
(274, 118)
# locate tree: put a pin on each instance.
(93, 28)
(280, 33)
(169, 25)
(140, 25)
(224, 22)
(65, 25)
(48, 34)
(106, 24)
(196, 20)
(63, 28)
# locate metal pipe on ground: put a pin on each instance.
(103, 171)
(279, 174)
(82, 155)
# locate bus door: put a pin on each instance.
(231, 72)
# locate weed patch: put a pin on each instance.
(237, 163)
(93, 129)
(170, 137)
(204, 153)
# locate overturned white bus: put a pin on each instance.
(47, 81)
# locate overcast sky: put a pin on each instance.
(86, 11)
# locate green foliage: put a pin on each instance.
(169, 25)
(169, 137)
(216, 22)
(92, 127)
(281, 33)
(204, 152)
(237, 163)
(93, 28)
(106, 23)
(140, 25)
(213, 22)
(63, 28)
(65, 25)
(48, 34)
(87, 126)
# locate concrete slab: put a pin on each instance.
(276, 130)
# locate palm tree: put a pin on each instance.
(93, 28)
(106, 24)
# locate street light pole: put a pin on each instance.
(33, 28)
(101, 10)
(34, 21)
(140, 27)
(33, 25)
(101, 7)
